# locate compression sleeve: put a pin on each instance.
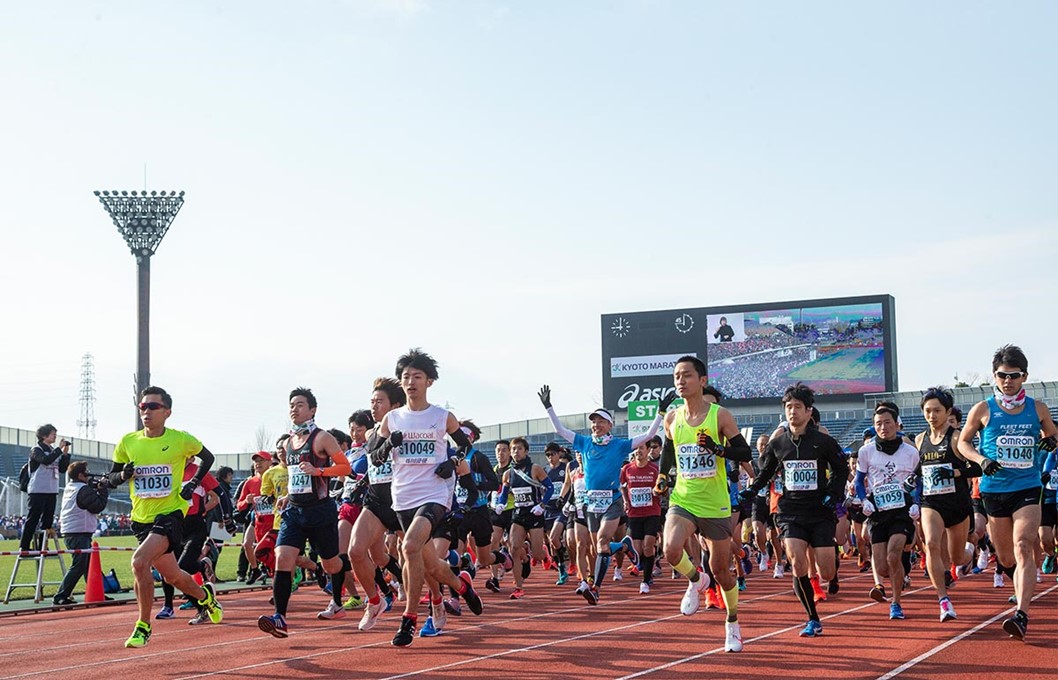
(481, 465)
(738, 450)
(560, 429)
(649, 434)
(549, 490)
(861, 486)
(501, 498)
(769, 464)
(206, 460)
(668, 457)
(971, 469)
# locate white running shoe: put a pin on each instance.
(400, 592)
(333, 611)
(947, 611)
(733, 640)
(778, 573)
(692, 599)
(644, 588)
(372, 612)
(763, 564)
(617, 576)
(440, 616)
(982, 560)
(997, 580)
(1039, 575)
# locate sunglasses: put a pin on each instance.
(151, 406)
(1013, 375)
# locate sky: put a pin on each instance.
(485, 179)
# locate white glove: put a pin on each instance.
(868, 507)
(499, 508)
(537, 510)
(914, 511)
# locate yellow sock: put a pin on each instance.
(731, 602)
(685, 566)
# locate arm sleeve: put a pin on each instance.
(549, 489)
(738, 449)
(861, 486)
(769, 464)
(467, 482)
(490, 481)
(1048, 462)
(378, 448)
(560, 429)
(501, 498)
(649, 434)
(206, 461)
(668, 457)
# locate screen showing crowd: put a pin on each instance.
(835, 350)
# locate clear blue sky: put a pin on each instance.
(485, 179)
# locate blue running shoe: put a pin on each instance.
(812, 629)
(633, 555)
(165, 613)
(389, 602)
(275, 625)
(428, 629)
(187, 605)
(895, 611)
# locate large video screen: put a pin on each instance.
(842, 346)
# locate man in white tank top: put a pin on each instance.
(414, 436)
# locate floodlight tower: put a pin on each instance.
(142, 220)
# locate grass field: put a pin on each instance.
(119, 561)
(854, 363)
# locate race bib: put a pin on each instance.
(1052, 483)
(153, 481)
(599, 501)
(580, 496)
(801, 475)
(380, 474)
(641, 496)
(1017, 452)
(933, 484)
(523, 496)
(419, 448)
(889, 496)
(462, 494)
(777, 483)
(264, 506)
(299, 482)
(694, 463)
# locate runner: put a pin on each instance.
(885, 463)
(501, 521)
(814, 473)
(415, 435)
(152, 461)
(643, 508)
(532, 490)
(943, 477)
(350, 507)
(697, 433)
(554, 518)
(1010, 426)
(603, 456)
(307, 511)
(251, 499)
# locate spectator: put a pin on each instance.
(81, 505)
(45, 464)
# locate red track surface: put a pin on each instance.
(552, 632)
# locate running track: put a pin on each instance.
(554, 633)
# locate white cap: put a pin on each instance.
(602, 413)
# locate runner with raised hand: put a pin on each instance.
(1010, 424)
(604, 455)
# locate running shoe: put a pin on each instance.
(657, 569)
(508, 561)
(322, 578)
(427, 630)
(371, 614)
(747, 563)
(187, 605)
(333, 611)
(812, 629)
(817, 590)
(453, 607)
(1039, 576)
(763, 564)
(296, 578)
(210, 604)
(527, 568)
(997, 580)
(741, 580)
(907, 581)
(165, 613)
(207, 570)
(633, 554)
(406, 633)
(200, 617)
(516, 594)
(425, 599)
(1015, 626)
(466, 563)
(982, 561)
(439, 616)
(947, 611)
(713, 599)
(833, 586)
(275, 625)
(470, 595)
(733, 637)
(1013, 599)
(388, 599)
(254, 574)
(354, 602)
(400, 591)
(493, 584)
(563, 575)
(644, 588)
(692, 599)
(895, 611)
(141, 634)
(1048, 564)
(779, 572)
(617, 575)
(878, 594)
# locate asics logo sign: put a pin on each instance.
(634, 393)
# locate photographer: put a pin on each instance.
(46, 462)
(82, 501)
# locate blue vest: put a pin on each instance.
(1012, 442)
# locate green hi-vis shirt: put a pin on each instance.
(160, 462)
(701, 480)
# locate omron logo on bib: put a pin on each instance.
(153, 481)
(800, 475)
(1017, 452)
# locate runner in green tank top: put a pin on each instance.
(700, 498)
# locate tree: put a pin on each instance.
(262, 439)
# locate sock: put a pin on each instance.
(561, 555)
(169, 591)
(686, 567)
(731, 603)
(338, 580)
(803, 589)
(414, 618)
(647, 568)
(1009, 571)
(462, 589)
(282, 581)
(602, 564)
(905, 559)
(706, 568)
(393, 567)
(837, 560)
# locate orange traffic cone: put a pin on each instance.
(94, 587)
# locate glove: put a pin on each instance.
(537, 510)
(395, 439)
(499, 508)
(943, 473)
(661, 485)
(1049, 443)
(229, 526)
(446, 469)
(989, 467)
(188, 489)
(706, 443)
(850, 501)
(1045, 478)
(914, 511)
(545, 396)
(118, 478)
(746, 495)
(665, 402)
(911, 482)
(868, 508)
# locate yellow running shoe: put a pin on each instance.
(210, 604)
(140, 635)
